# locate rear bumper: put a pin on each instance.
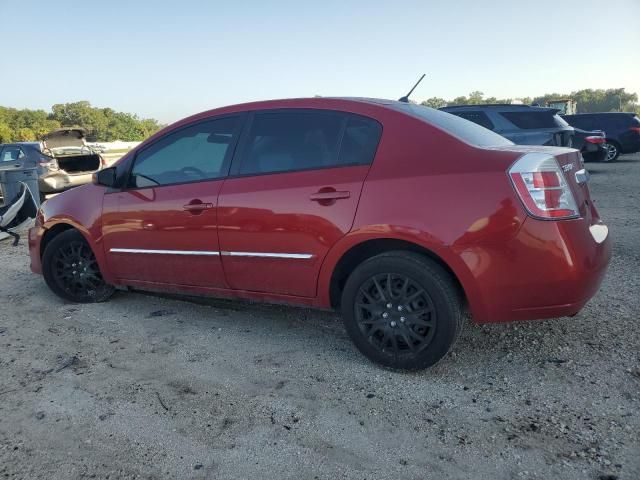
(594, 155)
(551, 269)
(54, 182)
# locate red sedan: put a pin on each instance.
(399, 215)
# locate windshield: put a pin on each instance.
(465, 130)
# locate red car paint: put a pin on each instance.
(425, 187)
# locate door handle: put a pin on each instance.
(197, 206)
(331, 195)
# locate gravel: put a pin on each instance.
(148, 386)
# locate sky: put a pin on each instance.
(169, 59)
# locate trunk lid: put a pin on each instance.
(65, 137)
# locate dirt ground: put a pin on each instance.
(151, 387)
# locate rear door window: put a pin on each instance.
(532, 120)
(480, 118)
(359, 141)
(285, 141)
(195, 153)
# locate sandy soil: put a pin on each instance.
(151, 387)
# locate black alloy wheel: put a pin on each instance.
(402, 310)
(395, 314)
(71, 270)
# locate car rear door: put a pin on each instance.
(292, 194)
(161, 228)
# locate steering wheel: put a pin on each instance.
(197, 171)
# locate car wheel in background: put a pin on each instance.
(71, 270)
(402, 310)
(613, 151)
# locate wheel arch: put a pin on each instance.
(52, 230)
(614, 141)
(337, 268)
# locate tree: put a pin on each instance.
(25, 134)
(103, 124)
(589, 100)
(6, 133)
(477, 98)
(435, 102)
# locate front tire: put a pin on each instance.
(71, 271)
(402, 310)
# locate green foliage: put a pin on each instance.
(6, 133)
(435, 102)
(589, 100)
(101, 124)
(474, 98)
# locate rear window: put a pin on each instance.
(480, 118)
(584, 122)
(466, 131)
(534, 120)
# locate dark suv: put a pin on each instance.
(521, 124)
(622, 130)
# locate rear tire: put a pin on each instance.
(71, 271)
(402, 310)
(613, 151)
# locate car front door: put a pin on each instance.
(292, 194)
(12, 156)
(161, 228)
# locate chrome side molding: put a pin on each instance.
(164, 252)
(297, 256)
(300, 256)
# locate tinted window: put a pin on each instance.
(532, 120)
(285, 141)
(468, 132)
(581, 122)
(480, 118)
(360, 141)
(624, 121)
(11, 154)
(199, 152)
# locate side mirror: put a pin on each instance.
(105, 177)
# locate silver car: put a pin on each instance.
(63, 159)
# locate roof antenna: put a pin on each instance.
(405, 99)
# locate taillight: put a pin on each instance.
(48, 162)
(599, 140)
(635, 129)
(541, 186)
